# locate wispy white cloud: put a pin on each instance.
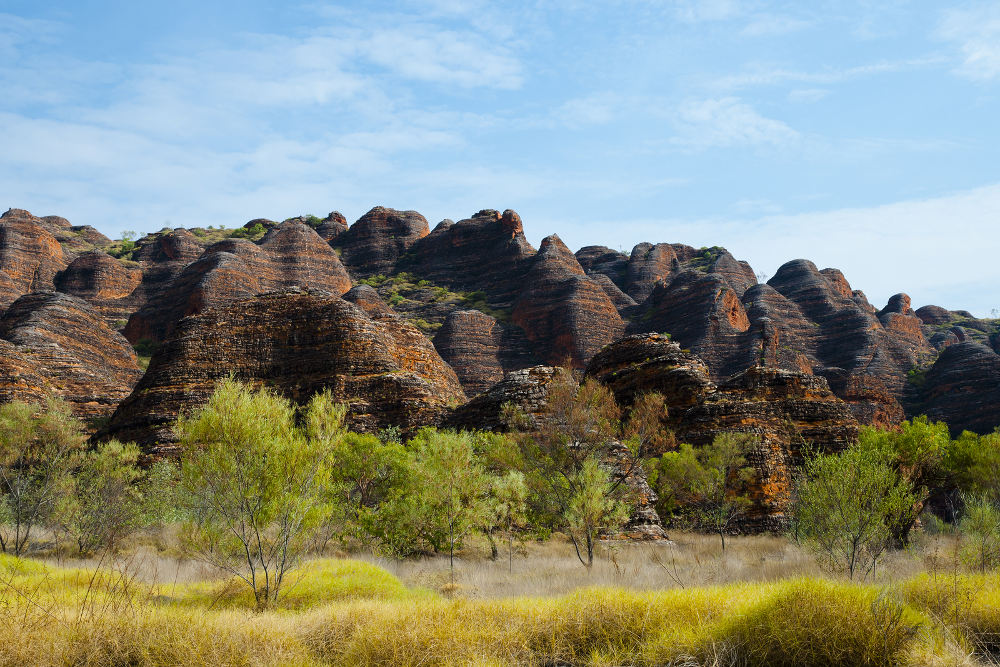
(975, 31)
(727, 122)
(807, 95)
(760, 74)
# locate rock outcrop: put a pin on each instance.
(30, 256)
(785, 410)
(485, 252)
(962, 388)
(374, 243)
(564, 313)
(481, 349)
(290, 255)
(57, 344)
(108, 284)
(298, 343)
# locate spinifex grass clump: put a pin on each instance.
(362, 615)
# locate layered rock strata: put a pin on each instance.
(290, 255)
(57, 344)
(297, 343)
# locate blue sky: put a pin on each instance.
(861, 135)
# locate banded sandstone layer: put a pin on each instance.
(297, 343)
(493, 304)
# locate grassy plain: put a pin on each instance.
(763, 602)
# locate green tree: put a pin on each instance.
(980, 525)
(507, 508)
(593, 507)
(39, 447)
(106, 503)
(706, 486)
(443, 498)
(847, 507)
(256, 486)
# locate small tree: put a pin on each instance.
(706, 485)
(508, 506)
(255, 485)
(980, 524)
(848, 505)
(593, 508)
(106, 503)
(442, 499)
(582, 423)
(39, 446)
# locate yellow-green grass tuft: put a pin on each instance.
(315, 583)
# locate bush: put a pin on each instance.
(849, 506)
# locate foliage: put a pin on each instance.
(39, 447)
(980, 525)
(848, 506)
(256, 485)
(582, 424)
(706, 486)
(441, 500)
(507, 510)
(593, 507)
(105, 505)
(254, 232)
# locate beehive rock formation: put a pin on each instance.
(298, 343)
(290, 255)
(57, 344)
(374, 243)
(962, 388)
(565, 313)
(30, 256)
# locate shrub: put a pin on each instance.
(848, 506)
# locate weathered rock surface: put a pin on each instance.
(297, 343)
(56, 343)
(486, 252)
(374, 243)
(962, 388)
(480, 349)
(784, 409)
(564, 313)
(290, 255)
(108, 284)
(30, 256)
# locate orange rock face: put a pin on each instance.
(30, 256)
(564, 313)
(374, 243)
(290, 255)
(786, 410)
(57, 343)
(297, 343)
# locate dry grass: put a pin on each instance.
(691, 560)
(761, 603)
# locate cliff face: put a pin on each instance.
(374, 243)
(55, 343)
(786, 410)
(297, 343)
(963, 388)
